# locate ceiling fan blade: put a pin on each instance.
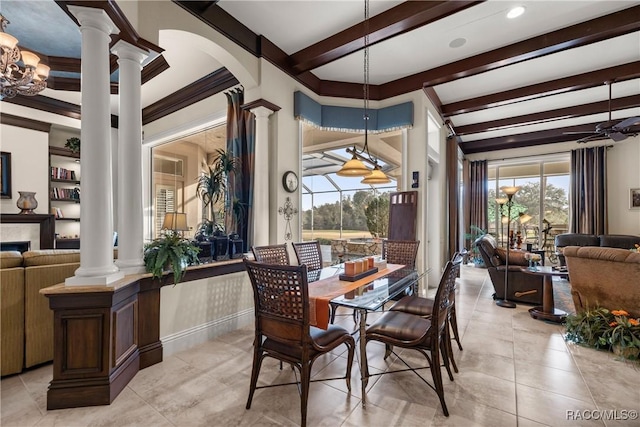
(617, 136)
(631, 121)
(593, 137)
(578, 133)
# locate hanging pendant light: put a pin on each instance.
(356, 166)
(376, 177)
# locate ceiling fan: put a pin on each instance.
(614, 129)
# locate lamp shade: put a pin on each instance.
(175, 221)
(7, 41)
(510, 191)
(354, 167)
(523, 217)
(501, 200)
(376, 177)
(30, 59)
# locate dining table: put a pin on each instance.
(364, 295)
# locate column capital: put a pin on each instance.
(93, 17)
(261, 112)
(125, 50)
(261, 107)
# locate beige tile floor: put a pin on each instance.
(514, 371)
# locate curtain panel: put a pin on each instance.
(453, 193)
(476, 195)
(241, 143)
(588, 195)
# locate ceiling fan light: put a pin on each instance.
(354, 167)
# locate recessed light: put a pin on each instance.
(515, 12)
(457, 42)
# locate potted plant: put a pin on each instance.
(171, 252)
(212, 190)
(73, 144)
(600, 328)
(473, 254)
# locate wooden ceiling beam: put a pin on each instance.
(609, 26)
(551, 115)
(591, 79)
(398, 20)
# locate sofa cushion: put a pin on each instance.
(10, 259)
(515, 257)
(576, 239)
(618, 241)
(51, 256)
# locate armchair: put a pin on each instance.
(525, 288)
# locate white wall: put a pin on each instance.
(29, 165)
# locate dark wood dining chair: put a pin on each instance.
(282, 330)
(272, 254)
(309, 253)
(423, 307)
(409, 331)
(402, 252)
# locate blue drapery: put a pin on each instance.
(241, 144)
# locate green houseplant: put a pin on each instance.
(172, 252)
(73, 144)
(212, 190)
(471, 237)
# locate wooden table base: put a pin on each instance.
(556, 315)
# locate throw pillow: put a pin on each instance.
(515, 257)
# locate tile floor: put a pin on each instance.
(514, 371)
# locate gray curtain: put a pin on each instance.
(588, 195)
(453, 192)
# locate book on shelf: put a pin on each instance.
(65, 193)
(57, 212)
(62, 173)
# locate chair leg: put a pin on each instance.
(454, 326)
(450, 350)
(257, 363)
(437, 379)
(333, 312)
(388, 349)
(305, 379)
(351, 352)
(444, 350)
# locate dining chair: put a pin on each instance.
(271, 254)
(282, 329)
(402, 252)
(410, 331)
(309, 253)
(423, 307)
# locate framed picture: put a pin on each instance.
(634, 198)
(5, 175)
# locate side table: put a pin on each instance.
(548, 310)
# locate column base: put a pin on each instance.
(131, 266)
(94, 280)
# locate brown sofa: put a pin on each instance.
(526, 288)
(604, 277)
(27, 321)
(622, 241)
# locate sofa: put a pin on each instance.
(525, 288)
(27, 322)
(605, 277)
(621, 241)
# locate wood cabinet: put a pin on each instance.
(64, 192)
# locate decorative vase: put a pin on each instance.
(27, 202)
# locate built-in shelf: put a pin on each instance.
(68, 219)
(65, 181)
(66, 200)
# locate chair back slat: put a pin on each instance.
(271, 254)
(445, 294)
(309, 253)
(400, 251)
(281, 299)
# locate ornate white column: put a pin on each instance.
(130, 211)
(261, 177)
(96, 202)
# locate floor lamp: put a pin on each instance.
(510, 192)
(501, 201)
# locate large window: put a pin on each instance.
(540, 209)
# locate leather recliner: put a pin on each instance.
(523, 287)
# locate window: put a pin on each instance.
(540, 209)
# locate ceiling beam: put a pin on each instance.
(549, 136)
(398, 20)
(609, 26)
(550, 115)
(588, 80)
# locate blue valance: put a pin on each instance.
(351, 118)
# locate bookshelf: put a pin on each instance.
(64, 193)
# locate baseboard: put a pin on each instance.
(191, 337)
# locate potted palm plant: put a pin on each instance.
(212, 188)
(170, 252)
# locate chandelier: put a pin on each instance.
(355, 166)
(26, 80)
